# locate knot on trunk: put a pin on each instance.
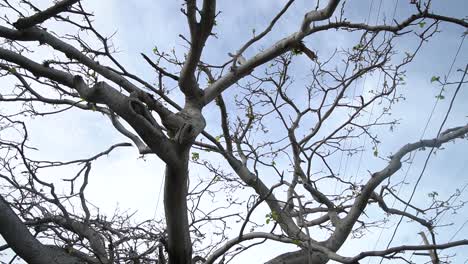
(185, 126)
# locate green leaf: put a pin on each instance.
(218, 138)
(376, 152)
(296, 51)
(274, 215)
(268, 218)
(195, 156)
(435, 79)
(422, 24)
(358, 46)
(296, 241)
(155, 49)
(440, 97)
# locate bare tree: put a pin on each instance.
(43, 224)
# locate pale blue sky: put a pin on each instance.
(134, 183)
(158, 24)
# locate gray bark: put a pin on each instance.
(299, 257)
(23, 243)
(175, 205)
(189, 124)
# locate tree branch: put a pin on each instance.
(199, 31)
(18, 237)
(345, 225)
(42, 16)
(36, 34)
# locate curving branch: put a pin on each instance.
(105, 94)
(39, 17)
(294, 41)
(41, 35)
(345, 225)
(199, 33)
(18, 237)
(399, 249)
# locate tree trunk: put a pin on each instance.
(175, 205)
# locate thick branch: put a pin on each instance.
(42, 16)
(298, 257)
(294, 39)
(391, 28)
(36, 34)
(24, 244)
(254, 235)
(318, 15)
(127, 108)
(96, 241)
(36, 68)
(105, 94)
(404, 248)
(274, 51)
(345, 226)
(199, 34)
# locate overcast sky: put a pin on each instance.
(126, 181)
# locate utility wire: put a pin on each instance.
(423, 133)
(429, 155)
(458, 231)
(371, 113)
(456, 198)
(159, 196)
(452, 202)
(354, 92)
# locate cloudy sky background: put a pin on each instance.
(126, 181)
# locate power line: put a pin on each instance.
(354, 92)
(372, 111)
(363, 89)
(452, 202)
(423, 133)
(159, 196)
(432, 149)
(458, 231)
(456, 198)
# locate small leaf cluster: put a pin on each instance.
(195, 156)
(271, 216)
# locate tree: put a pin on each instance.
(287, 170)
